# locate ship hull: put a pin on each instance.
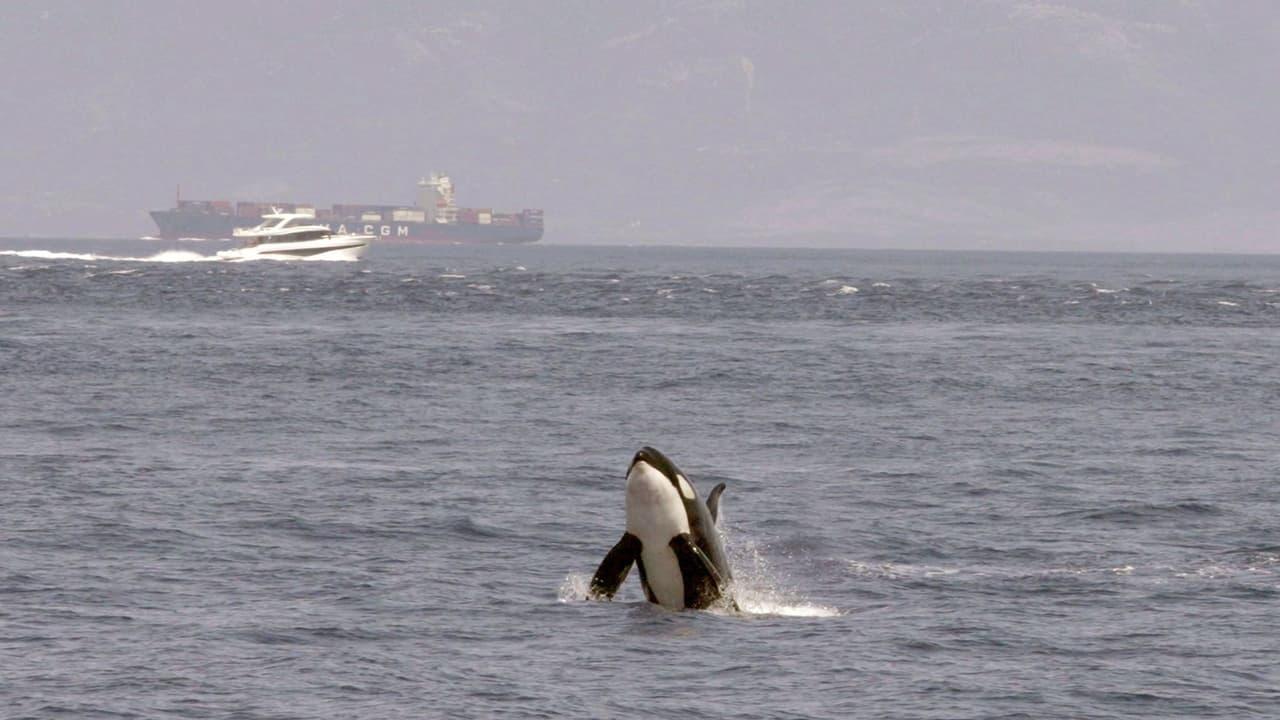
(176, 224)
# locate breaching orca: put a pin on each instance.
(671, 536)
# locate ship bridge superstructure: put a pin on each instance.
(435, 196)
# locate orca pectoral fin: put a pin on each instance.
(702, 582)
(713, 501)
(614, 568)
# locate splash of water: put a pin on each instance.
(575, 588)
(761, 590)
(757, 588)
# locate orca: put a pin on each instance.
(671, 536)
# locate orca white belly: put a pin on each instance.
(655, 514)
(662, 571)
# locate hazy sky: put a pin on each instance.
(951, 124)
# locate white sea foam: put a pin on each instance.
(893, 571)
(775, 602)
(178, 256)
(49, 255)
(1256, 566)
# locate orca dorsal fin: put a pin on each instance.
(713, 501)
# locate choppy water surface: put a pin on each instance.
(960, 485)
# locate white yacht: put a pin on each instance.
(294, 236)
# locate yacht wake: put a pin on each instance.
(166, 256)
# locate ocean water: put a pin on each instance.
(960, 485)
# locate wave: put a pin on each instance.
(1130, 512)
(469, 527)
(978, 304)
(1247, 565)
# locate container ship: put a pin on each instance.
(436, 219)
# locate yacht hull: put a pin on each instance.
(342, 248)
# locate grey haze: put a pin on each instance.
(1003, 124)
